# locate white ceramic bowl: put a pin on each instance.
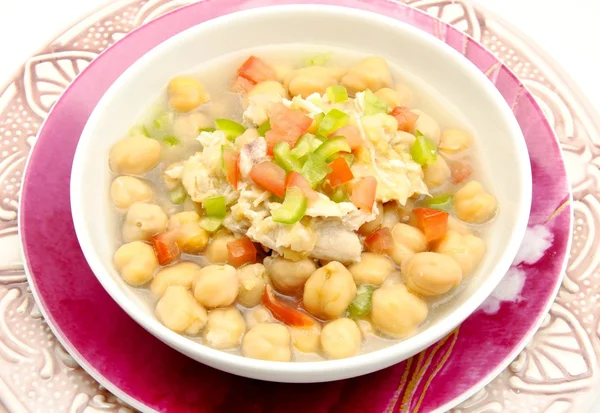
(499, 139)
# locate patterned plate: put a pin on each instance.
(420, 389)
(122, 356)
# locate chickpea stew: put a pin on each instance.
(301, 212)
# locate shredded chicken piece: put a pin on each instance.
(350, 216)
(257, 111)
(335, 242)
(251, 154)
(279, 237)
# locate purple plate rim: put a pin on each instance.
(134, 402)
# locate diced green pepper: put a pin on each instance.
(163, 121)
(423, 150)
(293, 208)
(332, 121)
(285, 159)
(230, 128)
(318, 60)
(349, 157)
(264, 128)
(318, 119)
(441, 202)
(361, 305)
(171, 140)
(340, 194)
(315, 169)
(210, 224)
(206, 130)
(139, 130)
(332, 147)
(215, 207)
(307, 143)
(337, 94)
(178, 195)
(373, 104)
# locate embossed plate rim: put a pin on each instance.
(558, 284)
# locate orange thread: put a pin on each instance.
(437, 369)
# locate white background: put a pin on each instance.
(571, 34)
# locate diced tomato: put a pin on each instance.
(232, 170)
(287, 125)
(241, 85)
(241, 251)
(433, 222)
(406, 119)
(340, 172)
(165, 247)
(256, 71)
(269, 176)
(380, 241)
(352, 135)
(363, 193)
(296, 179)
(285, 312)
(460, 170)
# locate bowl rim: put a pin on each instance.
(345, 367)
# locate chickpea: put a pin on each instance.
(253, 279)
(431, 274)
(182, 273)
(370, 73)
(134, 155)
(247, 137)
(407, 242)
(390, 96)
(190, 236)
(270, 87)
(473, 204)
(142, 221)
(216, 286)
(186, 94)
(405, 95)
(282, 69)
(391, 215)
(312, 79)
(306, 339)
(216, 251)
(289, 276)
(393, 279)
(127, 190)
(436, 174)
(341, 339)
(365, 327)
(467, 250)
(405, 211)
(224, 328)
(455, 140)
(427, 126)
(258, 315)
(136, 262)
(329, 291)
(458, 226)
(372, 269)
(405, 141)
(270, 342)
(379, 127)
(396, 312)
(187, 126)
(370, 227)
(179, 312)
(171, 177)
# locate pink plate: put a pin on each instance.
(153, 377)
